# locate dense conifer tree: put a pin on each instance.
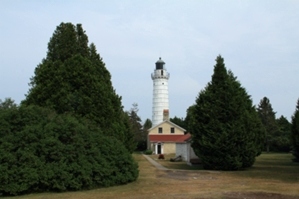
(190, 121)
(73, 79)
(7, 104)
(70, 133)
(282, 141)
(179, 121)
(295, 133)
(147, 124)
(267, 116)
(44, 151)
(226, 131)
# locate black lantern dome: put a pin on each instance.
(160, 64)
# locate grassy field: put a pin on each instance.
(277, 166)
(273, 176)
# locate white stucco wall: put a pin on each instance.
(182, 149)
(186, 151)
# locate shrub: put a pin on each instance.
(148, 152)
(161, 156)
(141, 145)
(49, 152)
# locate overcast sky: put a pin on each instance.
(259, 41)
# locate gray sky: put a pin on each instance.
(259, 41)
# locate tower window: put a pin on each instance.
(172, 130)
(162, 72)
(160, 130)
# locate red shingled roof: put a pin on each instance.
(169, 138)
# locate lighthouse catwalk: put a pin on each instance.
(160, 92)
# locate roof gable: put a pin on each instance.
(170, 123)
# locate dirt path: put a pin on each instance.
(156, 164)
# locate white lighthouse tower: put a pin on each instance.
(160, 92)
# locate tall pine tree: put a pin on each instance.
(295, 133)
(226, 131)
(136, 127)
(73, 79)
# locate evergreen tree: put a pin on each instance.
(284, 124)
(226, 131)
(146, 126)
(73, 79)
(295, 133)
(78, 122)
(282, 142)
(43, 151)
(178, 121)
(190, 120)
(7, 103)
(267, 116)
(136, 127)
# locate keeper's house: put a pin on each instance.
(163, 137)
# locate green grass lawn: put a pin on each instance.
(175, 165)
(275, 166)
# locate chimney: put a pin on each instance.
(165, 114)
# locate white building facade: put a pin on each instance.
(160, 92)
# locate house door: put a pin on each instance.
(159, 148)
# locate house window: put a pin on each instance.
(172, 130)
(160, 130)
